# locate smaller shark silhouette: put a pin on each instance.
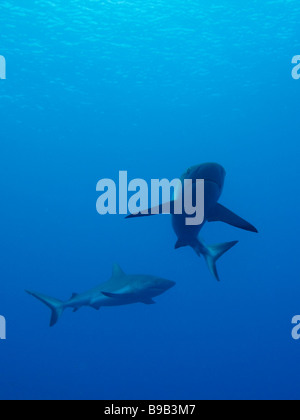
(119, 290)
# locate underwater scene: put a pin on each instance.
(150, 202)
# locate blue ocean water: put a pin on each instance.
(150, 87)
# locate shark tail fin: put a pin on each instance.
(56, 306)
(214, 253)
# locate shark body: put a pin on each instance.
(214, 176)
(120, 290)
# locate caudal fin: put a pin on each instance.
(56, 306)
(212, 253)
(215, 252)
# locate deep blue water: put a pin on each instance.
(151, 87)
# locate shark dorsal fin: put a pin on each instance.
(74, 295)
(117, 271)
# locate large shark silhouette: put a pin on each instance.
(214, 177)
(119, 290)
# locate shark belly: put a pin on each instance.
(187, 234)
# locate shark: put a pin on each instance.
(214, 176)
(119, 290)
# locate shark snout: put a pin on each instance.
(212, 172)
(164, 284)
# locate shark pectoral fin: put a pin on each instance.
(148, 302)
(117, 295)
(75, 310)
(96, 306)
(222, 214)
(124, 293)
(167, 208)
(125, 296)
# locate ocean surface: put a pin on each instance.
(149, 87)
